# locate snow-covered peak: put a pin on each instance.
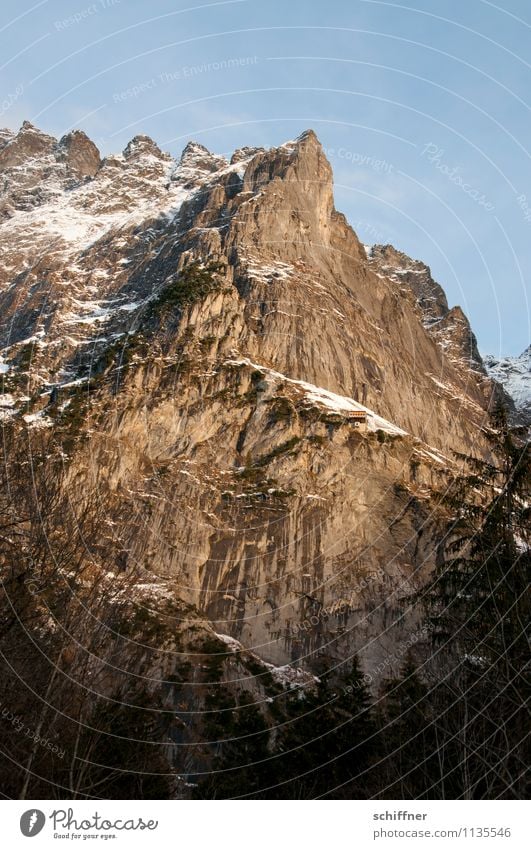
(197, 163)
(27, 128)
(244, 153)
(195, 155)
(514, 374)
(27, 125)
(143, 146)
(30, 131)
(76, 230)
(306, 137)
(29, 143)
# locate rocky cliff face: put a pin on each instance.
(449, 327)
(217, 421)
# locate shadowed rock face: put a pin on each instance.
(415, 275)
(450, 327)
(80, 154)
(29, 143)
(221, 429)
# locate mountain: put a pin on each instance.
(215, 417)
(216, 412)
(514, 374)
(228, 427)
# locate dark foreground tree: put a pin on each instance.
(320, 742)
(464, 732)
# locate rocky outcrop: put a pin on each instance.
(80, 154)
(450, 327)
(37, 169)
(29, 143)
(412, 274)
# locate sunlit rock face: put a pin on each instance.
(274, 447)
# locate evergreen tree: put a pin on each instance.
(319, 746)
(477, 599)
(408, 737)
(479, 607)
(241, 765)
(325, 744)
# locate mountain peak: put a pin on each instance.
(243, 153)
(142, 145)
(196, 156)
(306, 139)
(29, 143)
(417, 276)
(248, 376)
(514, 374)
(29, 133)
(80, 154)
(28, 127)
(309, 136)
(192, 148)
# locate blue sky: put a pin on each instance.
(422, 108)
